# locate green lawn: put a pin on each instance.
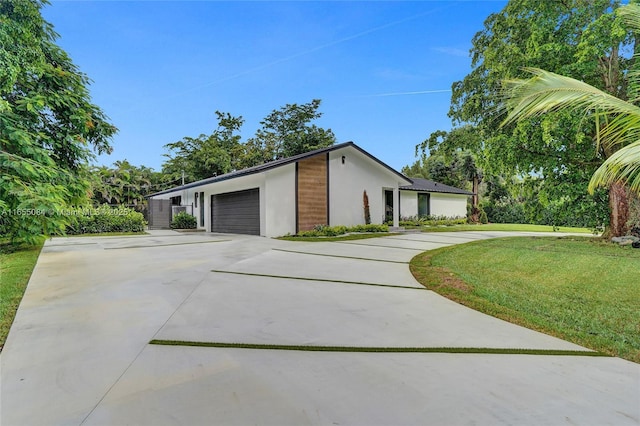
(346, 237)
(505, 227)
(579, 289)
(514, 227)
(16, 265)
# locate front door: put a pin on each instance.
(388, 205)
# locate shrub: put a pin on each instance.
(105, 219)
(483, 216)
(370, 228)
(334, 231)
(432, 221)
(367, 212)
(505, 212)
(183, 220)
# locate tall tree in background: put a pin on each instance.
(617, 124)
(48, 126)
(123, 184)
(286, 132)
(577, 38)
(206, 155)
(462, 148)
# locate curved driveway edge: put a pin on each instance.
(78, 351)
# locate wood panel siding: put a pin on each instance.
(312, 192)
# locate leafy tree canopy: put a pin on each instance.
(285, 132)
(126, 184)
(207, 155)
(583, 39)
(49, 128)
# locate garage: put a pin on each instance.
(236, 212)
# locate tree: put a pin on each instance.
(123, 184)
(462, 147)
(286, 132)
(577, 38)
(48, 126)
(437, 168)
(617, 124)
(206, 155)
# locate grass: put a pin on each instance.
(286, 277)
(107, 234)
(514, 227)
(16, 265)
(346, 237)
(374, 349)
(580, 289)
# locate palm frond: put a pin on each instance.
(622, 166)
(630, 15)
(546, 92)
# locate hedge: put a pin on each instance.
(105, 219)
(333, 231)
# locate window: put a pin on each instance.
(424, 208)
(202, 209)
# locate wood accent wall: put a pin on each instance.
(311, 183)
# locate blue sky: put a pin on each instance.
(161, 69)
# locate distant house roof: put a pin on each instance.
(426, 185)
(277, 163)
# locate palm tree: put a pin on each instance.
(617, 122)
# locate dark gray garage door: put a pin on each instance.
(236, 212)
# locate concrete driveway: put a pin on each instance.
(79, 352)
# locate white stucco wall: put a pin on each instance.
(408, 204)
(231, 185)
(348, 181)
(450, 205)
(280, 205)
(277, 198)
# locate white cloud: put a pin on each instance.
(452, 51)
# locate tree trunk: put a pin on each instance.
(475, 204)
(475, 189)
(618, 209)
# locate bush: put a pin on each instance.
(334, 231)
(105, 219)
(483, 216)
(505, 212)
(183, 220)
(432, 221)
(370, 228)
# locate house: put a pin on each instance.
(325, 186)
